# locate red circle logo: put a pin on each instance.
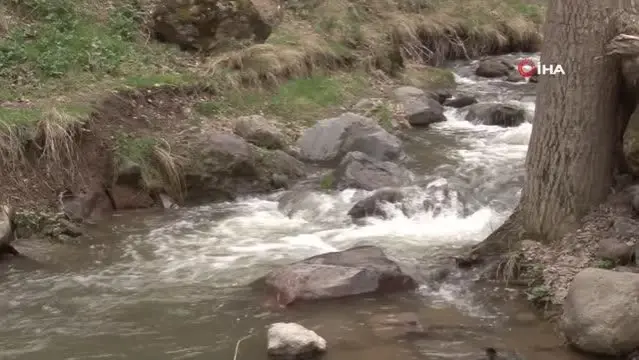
(527, 68)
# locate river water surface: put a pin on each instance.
(173, 285)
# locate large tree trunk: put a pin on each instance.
(574, 145)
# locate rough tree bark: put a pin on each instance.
(578, 125)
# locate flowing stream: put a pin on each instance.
(172, 285)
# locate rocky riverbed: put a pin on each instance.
(402, 200)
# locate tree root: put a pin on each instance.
(6, 249)
(503, 240)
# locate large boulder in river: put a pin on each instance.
(423, 112)
(496, 114)
(601, 312)
(420, 108)
(460, 101)
(225, 165)
(360, 171)
(330, 139)
(356, 271)
(373, 204)
(257, 130)
(206, 25)
(493, 68)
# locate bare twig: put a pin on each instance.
(237, 345)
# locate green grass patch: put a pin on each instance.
(161, 169)
(135, 149)
(327, 181)
(20, 117)
(155, 80)
(65, 46)
(428, 77)
(304, 99)
(384, 116)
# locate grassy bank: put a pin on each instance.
(85, 76)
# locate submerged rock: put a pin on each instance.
(492, 68)
(304, 204)
(356, 271)
(496, 114)
(330, 139)
(460, 101)
(601, 311)
(290, 341)
(515, 77)
(396, 326)
(372, 205)
(360, 171)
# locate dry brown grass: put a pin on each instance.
(381, 34)
(47, 135)
(170, 167)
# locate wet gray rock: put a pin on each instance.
(515, 77)
(492, 68)
(613, 249)
(7, 227)
(633, 197)
(356, 271)
(396, 326)
(227, 165)
(281, 168)
(420, 108)
(496, 114)
(90, 206)
(626, 228)
(377, 143)
(167, 202)
(360, 171)
(303, 203)
(7, 230)
(257, 130)
(330, 139)
(423, 112)
(129, 173)
(372, 205)
(460, 101)
(493, 354)
(290, 341)
(439, 95)
(600, 312)
(441, 197)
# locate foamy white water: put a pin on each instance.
(175, 282)
(228, 249)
